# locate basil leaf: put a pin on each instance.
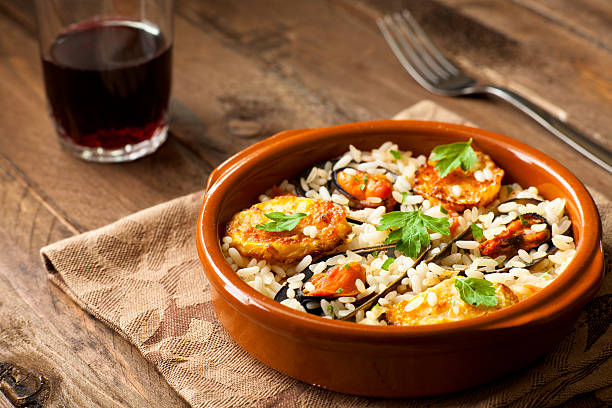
(396, 154)
(412, 230)
(281, 222)
(476, 231)
(450, 156)
(404, 195)
(443, 210)
(476, 292)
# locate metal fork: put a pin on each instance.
(426, 64)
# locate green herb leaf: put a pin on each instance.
(412, 233)
(443, 210)
(476, 292)
(523, 221)
(347, 266)
(509, 189)
(281, 222)
(404, 195)
(451, 156)
(396, 154)
(339, 290)
(476, 231)
(375, 254)
(330, 309)
(362, 187)
(387, 263)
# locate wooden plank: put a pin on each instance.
(548, 62)
(30, 220)
(336, 51)
(86, 363)
(214, 88)
(590, 19)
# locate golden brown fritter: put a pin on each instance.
(471, 192)
(289, 246)
(448, 308)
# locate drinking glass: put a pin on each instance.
(107, 72)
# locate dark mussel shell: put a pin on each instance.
(303, 299)
(545, 239)
(510, 245)
(467, 234)
(356, 204)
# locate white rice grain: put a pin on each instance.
(245, 273)
(478, 175)
(310, 231)
(414, 303)
(343, 162)
(467, 244)
(236, 257)
(303, 263)
(324, 193)
(538, 227)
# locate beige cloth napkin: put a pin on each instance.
(141, 276)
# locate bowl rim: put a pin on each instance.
(539, 308)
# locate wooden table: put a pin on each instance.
(244, 70)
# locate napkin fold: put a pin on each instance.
(141, 276)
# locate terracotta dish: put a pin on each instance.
(394, 361)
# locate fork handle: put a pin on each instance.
(592, 150)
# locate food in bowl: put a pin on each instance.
(384, 238)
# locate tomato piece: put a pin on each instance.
(363, 185)
(338, 281)
(517, 235)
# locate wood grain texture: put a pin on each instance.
(87, 364)
(243, 71)
(337, 52)
(590, 19)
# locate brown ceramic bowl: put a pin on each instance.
(394, 361)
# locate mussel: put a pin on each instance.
(517, 235)
(327, 284)
(362, 189)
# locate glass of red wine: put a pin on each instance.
(107, 71)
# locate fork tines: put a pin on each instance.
(415, 51)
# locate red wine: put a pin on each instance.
(108, 82)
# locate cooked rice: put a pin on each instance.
(267, 278)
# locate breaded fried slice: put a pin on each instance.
(470, 192)
(448, 305)
(289, 246)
